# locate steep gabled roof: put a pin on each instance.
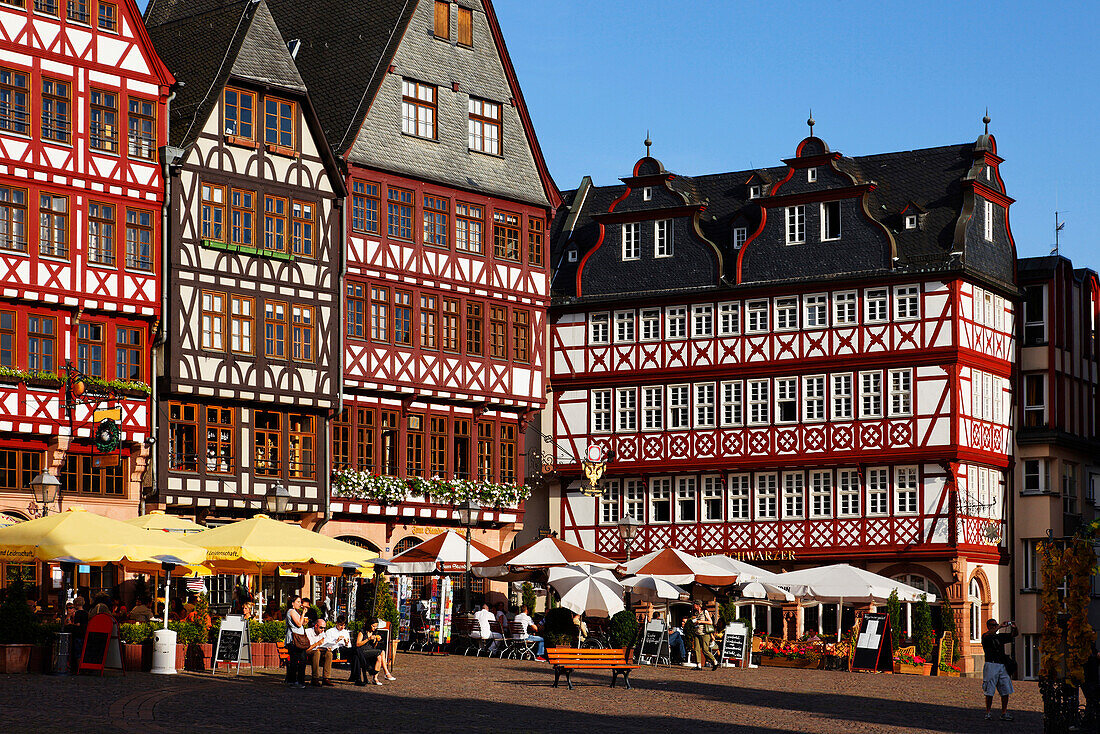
(215, 40)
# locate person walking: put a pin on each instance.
(701, 636)
(995, 677)
(296, 644)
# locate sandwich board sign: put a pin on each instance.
(233, 644)
(102, 647)
(654, 647)
(874, 648)
(734, 643)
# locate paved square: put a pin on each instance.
(470, 694)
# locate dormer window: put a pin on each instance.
(647, 193)
(988, 175)
(811, 175)
(571, 255)
(754, 192)
(910, 221)
(632, 247)
(740, 234)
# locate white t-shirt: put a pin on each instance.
(523, 619)
(313, 635)
(334, 638)
(483, 617)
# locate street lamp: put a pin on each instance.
(45, 487)
(277, 499)
(628, 529)
(468, 515)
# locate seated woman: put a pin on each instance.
(367, 658)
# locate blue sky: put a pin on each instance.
(724, 85)
(727, 85)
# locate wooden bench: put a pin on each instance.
(284, 654)
(567, 659)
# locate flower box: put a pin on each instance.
(10, 379)
(42, 381)
(950, 673)
(15, 658)
(133, 392)
(778, 661)
(909, 669)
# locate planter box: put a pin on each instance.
(181, 656)
(949, 674)
(15, 658)
(130, 392)
(906, 669)
(138, 657)
(10, 379)
(775, 661)
(41, 382)
(267, 654)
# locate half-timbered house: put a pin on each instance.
(804, 364)
(82, 97)
(1057, 452)
(251, 360)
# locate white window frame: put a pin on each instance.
(786, 394)
(811, 175)
(842, 398)
(821, 493)
(813, 398)
(766, 496)
(647, 193)
(679, 407)
(757, 316)
(687, 496)
(650, 319)
(662, 238)
(755, 192)
(626, 409)
(600, 402)
(1041, 476)
(875, 306)
(711, 497)
(824, 212)
(702, 321)
(705, 408)
(878, 491)
(676, 326)
(796, 224)
(870, 394)
(599, 328)
(660, 490)
(901, 393)
(786, 313)
(729, 318)
(987, 229)
(624, 327)
(759, 402)
(732, 405)
(815, 311)
(794, 495)
(845, 308)
(1030, 324)
(1029, 667)
(847, 492)
(910, 221)
(740, 506)
(609, 502)
(906, 490)
(634, 498)
(740, 237)
(632, 240)
(906, 303)
(653, 408)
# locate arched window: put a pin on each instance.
(975, 610)
(360, 543)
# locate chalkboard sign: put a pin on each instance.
(947, 651)
(102, 647)
(654, 647)
(734, 641)
(874, 648)
(233, 645)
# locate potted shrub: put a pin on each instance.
(18, 630)
(559, 630)
(623, 631)
(134, 635)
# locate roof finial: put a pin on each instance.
(811, 122)
(648, 143)
(986, 120)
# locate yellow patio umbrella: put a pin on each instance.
(262, 545)
(160, 520)
(7, 520)
(78, 536)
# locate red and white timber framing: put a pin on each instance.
(939, 411)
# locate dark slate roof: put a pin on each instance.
(345, 49)
(213, 40)
(930, 178)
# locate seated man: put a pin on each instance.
(337, 637)
(675, 642)
(531, 629)
(318, 655)
(482, 631)
(141, 612)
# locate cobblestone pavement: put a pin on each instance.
(435, 694)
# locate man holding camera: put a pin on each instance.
(995, 674)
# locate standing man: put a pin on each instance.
(995, 677)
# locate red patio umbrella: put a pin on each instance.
(445, 553)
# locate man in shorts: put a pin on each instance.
(995, 677)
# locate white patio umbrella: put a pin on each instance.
(532, 560)
(678, 567)
(764, 590)
(652, 589)
(744, 571)
(587, 589)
